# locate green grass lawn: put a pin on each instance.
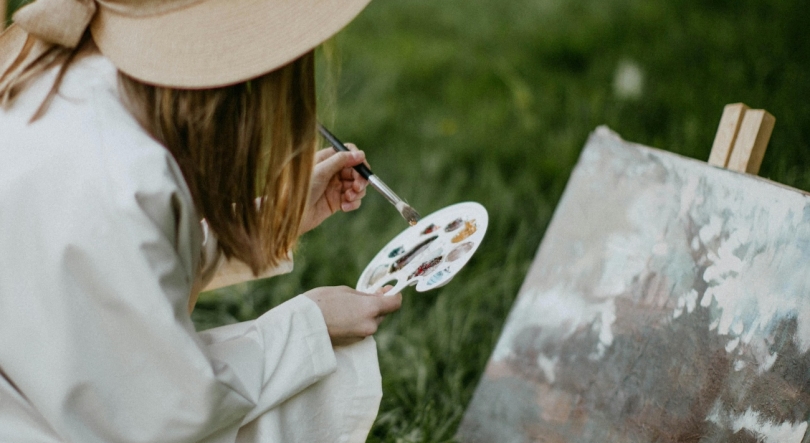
(492, 101)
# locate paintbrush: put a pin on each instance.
(407, 212)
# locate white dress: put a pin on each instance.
(100, 247)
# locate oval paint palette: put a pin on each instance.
(430, 253)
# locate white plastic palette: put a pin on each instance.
(430, 253)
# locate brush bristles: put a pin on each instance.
(410, 214)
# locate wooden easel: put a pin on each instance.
(742, 138)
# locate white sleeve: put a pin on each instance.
(295, 362)
(94, 327)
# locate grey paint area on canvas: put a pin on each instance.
(669, 301)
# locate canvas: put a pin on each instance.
(668, 302)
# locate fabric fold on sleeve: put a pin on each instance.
(296, 347)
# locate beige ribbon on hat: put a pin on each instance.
(37, 28)
(43, 24)
(63, 28)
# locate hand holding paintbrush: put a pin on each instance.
(407, 212)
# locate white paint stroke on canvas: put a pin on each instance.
(766, 430)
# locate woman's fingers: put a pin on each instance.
(352, 185)
(350, 206)
(337, 163)
(351, 315)
(352, 147)
(349, 175)
(384, 289)
(323, 154)
(383, 305)
(352, 195)
(389, 303)
(352, 198)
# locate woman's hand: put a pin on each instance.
(352, 315)
(335, 185)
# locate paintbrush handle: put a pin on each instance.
(362, 169)
(405, 210)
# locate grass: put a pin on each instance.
(492, 101)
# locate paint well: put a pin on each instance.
(379, 272)
(396, 251)
(453, 225)
(469, 229)
(459, 251)
(438, 276)
(430, 229)
(426, 267)
(413, 253)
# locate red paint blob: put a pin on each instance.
(425, 267)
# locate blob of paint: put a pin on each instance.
(453, 225)
(430, 229)
(425, 267)
(405, 259)
(438, 276)
(469, 229)
(396, 252)
(460, 250)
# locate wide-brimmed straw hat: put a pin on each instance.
(180, 43)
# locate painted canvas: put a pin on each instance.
(668, 302)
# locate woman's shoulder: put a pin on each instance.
(85, 133)
(87, 148)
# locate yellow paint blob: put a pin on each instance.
(469, 229)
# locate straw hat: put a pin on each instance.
(180, 43)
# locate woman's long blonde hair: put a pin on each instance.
(246, 151)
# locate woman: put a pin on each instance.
(124, 124)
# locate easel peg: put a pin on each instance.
(742, 138)
(727, 134)
(752, 141)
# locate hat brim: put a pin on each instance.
(215, 43)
